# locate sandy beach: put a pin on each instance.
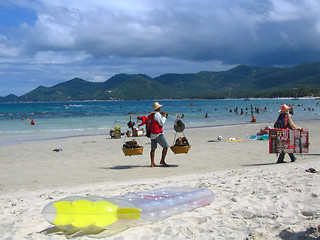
(255, 198)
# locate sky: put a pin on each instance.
(46, 42)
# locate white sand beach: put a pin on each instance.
(254, 197)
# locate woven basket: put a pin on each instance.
(115, 133)
(180, 149)
(132, 151)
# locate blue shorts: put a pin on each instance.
(161, 140)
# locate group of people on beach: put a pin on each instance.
(158, 118)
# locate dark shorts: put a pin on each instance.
(161, 140)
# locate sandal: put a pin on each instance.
(311, 170)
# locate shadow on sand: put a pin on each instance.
(309, 233)
(258, 164)
(122, 167)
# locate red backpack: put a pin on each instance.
(149, 123)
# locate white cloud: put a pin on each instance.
(7, 50)
(97, 38)
(51, 57)
(99, 78)
(203, 30)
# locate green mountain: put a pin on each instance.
(76, 88)
(9, 98)
(241, 81)
(136, 86)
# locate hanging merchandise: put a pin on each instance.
(180, 144)
(131, 147)
(115, 131)
(288, 140)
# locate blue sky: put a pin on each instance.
(45, 42)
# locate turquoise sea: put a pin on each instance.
(67, 119)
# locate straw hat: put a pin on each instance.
(156, 106)
(284, 108)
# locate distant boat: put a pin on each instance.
(246, 99)
(295, 98)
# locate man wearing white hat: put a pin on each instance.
(157, 137)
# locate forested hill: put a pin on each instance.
(240, 82)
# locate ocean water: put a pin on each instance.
(66, 119)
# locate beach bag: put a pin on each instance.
(282, 121)
(277, 124)
(148, 128)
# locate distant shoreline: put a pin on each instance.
(170, 99)
(61, 120)
(75, 134)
